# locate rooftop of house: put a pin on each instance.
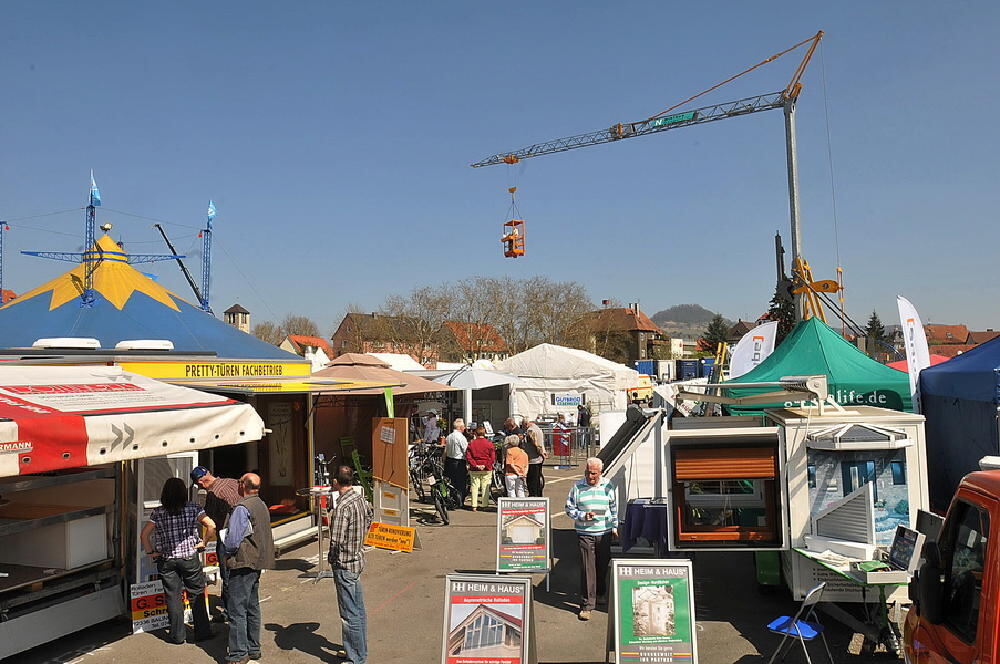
(236, 309)
(946, 334)
(624, 319)
(982, 337)
(476, 336)
(301, 341)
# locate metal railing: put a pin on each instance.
(571, 446)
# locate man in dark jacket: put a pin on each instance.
(222, 494)
(249, 549)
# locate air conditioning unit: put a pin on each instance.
(145, 344)
(80, 343)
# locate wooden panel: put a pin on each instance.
(725, 463)
(389, 450)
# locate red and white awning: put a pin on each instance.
(70, 417)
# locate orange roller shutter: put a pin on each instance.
(725, 463)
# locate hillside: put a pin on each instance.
(686, 321)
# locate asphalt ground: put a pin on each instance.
(404, 595)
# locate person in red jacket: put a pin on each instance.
(480, 456)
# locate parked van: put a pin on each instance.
(956, 612)
(643, 391)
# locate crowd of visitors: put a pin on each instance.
(239, 521)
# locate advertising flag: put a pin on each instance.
(95, 193)
(918, 357)
(752, 349)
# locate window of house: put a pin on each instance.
(811, 475)
(898, 469)
(964, 557)
(858, 473)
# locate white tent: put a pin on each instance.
(399, 361)
(555, 379)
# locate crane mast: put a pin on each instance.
(673, 119)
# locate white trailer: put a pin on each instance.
(795, 478)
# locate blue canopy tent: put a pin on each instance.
(128, 305)
(960, 400)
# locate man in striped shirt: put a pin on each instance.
(352, 516)
(592, 503)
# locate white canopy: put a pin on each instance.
(399, 361)
(553, 379)
(475, 379)
(56, 417)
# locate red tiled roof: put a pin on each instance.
(946, 334)
(623, 319)
(300, 340)
(982, 337)
(477, 336)
(950, 350)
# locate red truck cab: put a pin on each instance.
(955, 617)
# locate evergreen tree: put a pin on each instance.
(875, 331)
(717, 331)
(782, 310)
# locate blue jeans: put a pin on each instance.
(220, 552)
(180, 574)
(244, 613)
(352, 614)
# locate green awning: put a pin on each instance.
(813, 348)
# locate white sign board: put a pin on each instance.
(148, 606)
(392, 504)
(387, 435)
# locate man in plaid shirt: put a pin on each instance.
(349, 524)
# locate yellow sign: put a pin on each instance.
(393, 538)
(219, 369)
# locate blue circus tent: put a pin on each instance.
(128, 305)
(960, 399)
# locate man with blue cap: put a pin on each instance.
(223, 494)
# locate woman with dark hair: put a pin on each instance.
(174, 546)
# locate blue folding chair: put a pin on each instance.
(803, 625)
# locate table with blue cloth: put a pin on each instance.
(646, 518)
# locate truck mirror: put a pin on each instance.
(930, 585)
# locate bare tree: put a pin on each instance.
(292, 324)
(416, 320)
(268, 331)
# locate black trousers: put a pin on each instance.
(455, 470)
(534, 480)
(184, 574)
(595, 557)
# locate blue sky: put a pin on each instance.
(335, 139)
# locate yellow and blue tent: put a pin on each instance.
(128, 305)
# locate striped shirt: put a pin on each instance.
(601, 499)
(352, 516)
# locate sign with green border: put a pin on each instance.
(653, 612)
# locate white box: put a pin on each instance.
(59, 546)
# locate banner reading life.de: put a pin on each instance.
(487, 620)
(523, 535)
(653, 610)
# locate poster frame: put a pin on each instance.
(544, 501)
(528, 652)
(614, 618)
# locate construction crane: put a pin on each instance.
(671, 118)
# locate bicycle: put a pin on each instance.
(427, 463)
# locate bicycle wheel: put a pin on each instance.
(439, 505)
(418, 486)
